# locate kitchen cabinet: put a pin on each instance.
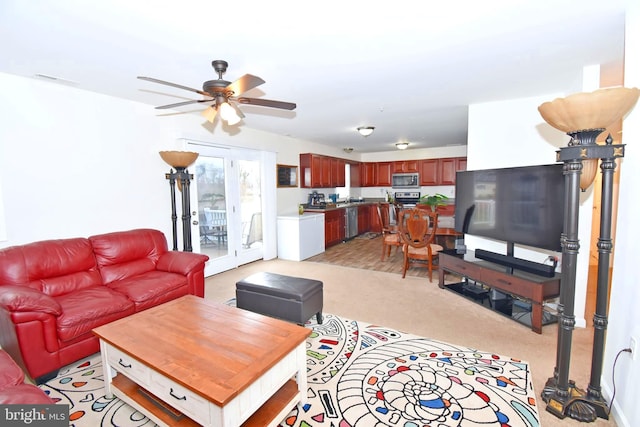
(364, 214)
(300, 236)
(354, 174)
(325, 172)
(337, 172)
(449, 167)
(383, 174)
(367, 174)
(334, 227)
(441, 171)
(319, 171)
(403, 166)
(429, 171)
(446, 210)
(374, 220)
(310, 171)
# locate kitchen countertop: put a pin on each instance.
(445, 223)
(339, 205)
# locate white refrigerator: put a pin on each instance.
(300, 236)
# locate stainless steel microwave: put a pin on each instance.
(405, 180)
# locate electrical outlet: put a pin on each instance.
(633, 345)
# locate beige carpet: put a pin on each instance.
(416, 306)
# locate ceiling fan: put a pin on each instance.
(222, 93)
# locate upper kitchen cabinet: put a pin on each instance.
(319, 171)
(402, 166)
(354, 174)
(429, 171)
(449, 167)
(337, 172)
(441, 171)
(368, 174)
(383, 174)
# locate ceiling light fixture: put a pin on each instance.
(228, 114)
(365, 130)
(402, 145)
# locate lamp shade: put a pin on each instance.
(589, 110)
(178, 159)
(229, 114)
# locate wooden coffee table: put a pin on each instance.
(195, 362)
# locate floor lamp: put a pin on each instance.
(180, 160)
(584, 116)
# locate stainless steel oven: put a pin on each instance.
(408, 199)
(405, 180)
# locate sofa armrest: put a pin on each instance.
(181, 262)
(21, 298)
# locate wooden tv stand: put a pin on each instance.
(536, 289)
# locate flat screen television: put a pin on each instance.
(520, 205)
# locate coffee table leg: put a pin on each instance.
(107, 372)
(301, 376)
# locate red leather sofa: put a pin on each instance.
(13, 389)
(54, 292)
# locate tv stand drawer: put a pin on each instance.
(509, 284)
(460, 266)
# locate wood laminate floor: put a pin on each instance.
(362, 252)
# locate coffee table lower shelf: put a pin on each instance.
(270, 413)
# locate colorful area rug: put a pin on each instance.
(359, 375)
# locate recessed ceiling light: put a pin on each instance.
(402, 145)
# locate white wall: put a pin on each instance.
(74, 163)
(513, 133)
(624, 315)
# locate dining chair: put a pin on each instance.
(206, 229)
(417, 232)
(390, 235)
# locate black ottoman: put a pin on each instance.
(289, 298)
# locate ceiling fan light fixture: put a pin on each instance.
(210, 114)
(365, 130)
(229, 114)
(402, 145)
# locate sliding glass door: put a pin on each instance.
(227, 202)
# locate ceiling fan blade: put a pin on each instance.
(180, 104)
(162, 82)
(243, 84)
(267, 103)
(210, 113)
(239, 112)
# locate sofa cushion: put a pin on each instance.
(150, 286)
(10, 373)
(125, 254)
(13, 390)
(89, 308)
(24, 394)
(54, 267)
